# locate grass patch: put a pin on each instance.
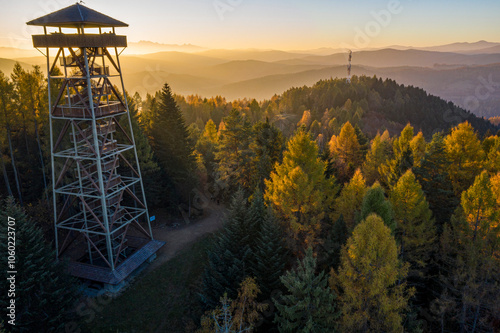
(164, 300)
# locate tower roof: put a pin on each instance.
(75, 16)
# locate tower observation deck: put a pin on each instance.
(100, 212)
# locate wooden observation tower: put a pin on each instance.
(100, 212)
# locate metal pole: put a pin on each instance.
(98, 163)
(52, 149)
(133, 142)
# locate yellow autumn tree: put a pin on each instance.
(377, 155)
(298, 190)
(480, 205)
(346, 151)
(348, 204)
(414, 224)
(373, 300)
(417, 145)
(464, 151)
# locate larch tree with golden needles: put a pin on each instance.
(298, 189)
(346, 152)
(415, 228)
(376, 156)
(470, 262)
(464, 151)
(348, 204)
(373, 299)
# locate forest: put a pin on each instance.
(366, 206)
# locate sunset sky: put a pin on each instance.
(277, 24)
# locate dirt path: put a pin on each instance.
(180, 237)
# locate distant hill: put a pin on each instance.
(376, 104)
(145, 47)
(6, 65)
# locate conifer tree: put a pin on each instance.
(271, 256)
(267, 147)
(469, 261)
(308, 305)
(415, 228)
(465, 154)
(234, 155)
(417, 145)
(433, 176)
(169, 138)
(229, 259)
(348, 204)
(376, 156)
(346, 152)
(393, 169)
(44, 293)
(298, 190)
(374, 201)
(372, 299)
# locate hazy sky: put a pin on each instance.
(280, 24)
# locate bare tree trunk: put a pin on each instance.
(16, 177)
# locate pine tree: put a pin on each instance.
(309, 304)
(348, 204)
(372, 299)
(298, 190)
(433, 176)
(44, 293)
(374, 201)
(415, 227)
(229, 259)
(169, 138)
(465, 154)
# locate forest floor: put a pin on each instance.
(164, 297)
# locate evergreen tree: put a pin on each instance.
(374, 201)
(44, 293)
(169, 138)
(267, 147)
(415, 227)
(308, 304)
(348, 204)
(229, 259)
(433, 176)
(470, 265)
(372, 299)
(298, 190)
(465, 154)
(234, 155)
(271, 256)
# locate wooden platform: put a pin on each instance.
(105, 275)
(79, 40)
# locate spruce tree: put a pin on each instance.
(169, 138)
(44, 293)
(374, 201)
(433, 176)
(229, 259)
(308, 305)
